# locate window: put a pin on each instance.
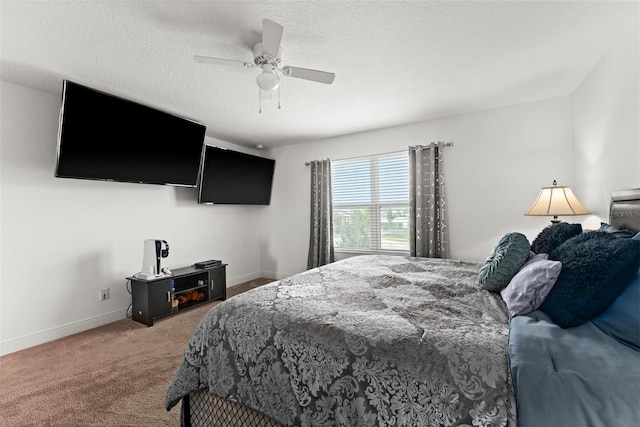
(371, 203)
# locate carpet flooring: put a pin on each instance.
(114, 375)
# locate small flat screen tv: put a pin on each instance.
(105, 137)
(231, 177)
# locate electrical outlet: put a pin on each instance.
(104, 294)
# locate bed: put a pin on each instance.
(370, 340)
(589, 374)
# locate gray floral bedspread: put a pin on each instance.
(367, 341)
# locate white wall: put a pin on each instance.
(65, 239)
(589, 140)
(606, 125)
(494, 171)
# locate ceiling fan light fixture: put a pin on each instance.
(267, 55)
(267, 80)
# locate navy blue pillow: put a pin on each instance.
(622, 319)
(596, 268)
(553, 236)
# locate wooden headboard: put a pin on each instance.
(624, 211)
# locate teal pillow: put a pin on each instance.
(504, 261)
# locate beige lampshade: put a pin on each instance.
(557, 200)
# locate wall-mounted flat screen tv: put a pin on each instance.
(231, 177)
(106, 137)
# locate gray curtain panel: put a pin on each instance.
(428, 224)
(321, 235)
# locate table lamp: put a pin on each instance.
(557, 200)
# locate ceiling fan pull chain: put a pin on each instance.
(259, 101)
(278, 93)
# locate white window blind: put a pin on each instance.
(371, 203)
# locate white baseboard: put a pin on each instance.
(17, 344)
(271, 275)
(42, 337)
(232, 281)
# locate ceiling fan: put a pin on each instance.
(267, 55)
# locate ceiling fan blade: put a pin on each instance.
(308, 74)
(271, 37)
(221, 61)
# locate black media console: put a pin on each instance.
(186, 287)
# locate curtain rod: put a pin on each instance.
(444, 144)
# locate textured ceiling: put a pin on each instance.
(395, 62)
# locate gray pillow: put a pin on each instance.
(530, 286)
(504, 261)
